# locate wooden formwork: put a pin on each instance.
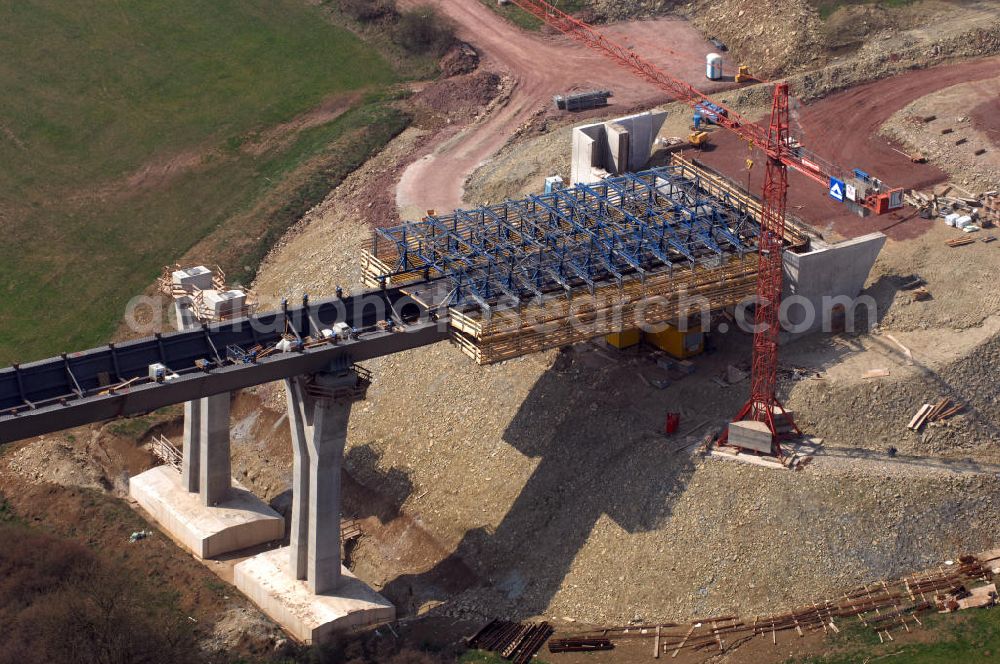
(559, 320)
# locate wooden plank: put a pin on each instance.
(921, 414)
(683, 641)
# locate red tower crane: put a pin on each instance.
(782, 152)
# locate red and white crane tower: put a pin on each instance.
(782, 152)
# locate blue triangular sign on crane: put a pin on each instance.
(837, 189)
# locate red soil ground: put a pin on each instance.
(986, 118)
(844, 129)
(543, 66)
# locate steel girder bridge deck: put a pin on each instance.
(114, 380)
(622, 237)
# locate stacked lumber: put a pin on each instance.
(350, 529)
(517, 642)
(927, 413)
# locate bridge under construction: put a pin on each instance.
(500, 281)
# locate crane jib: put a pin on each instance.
(875, 197)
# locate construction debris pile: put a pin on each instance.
(941, 410)
(968, 213)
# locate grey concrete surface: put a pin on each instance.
(242, 520)
(191, 454)
(215, 468)
(301, 432)
(326, 455)
(828, 275)
(617, 146)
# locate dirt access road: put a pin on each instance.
(844, 128)
(541, 66)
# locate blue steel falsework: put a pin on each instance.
(576, 238)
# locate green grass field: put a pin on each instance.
(972, 636)
(97, 90)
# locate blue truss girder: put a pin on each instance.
(604, 232)
(696, 227)
(615, 236)
(665, 229)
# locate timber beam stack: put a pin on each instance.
(882, 606)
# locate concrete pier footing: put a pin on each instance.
(310, 617)
(239, 521)
(202, 506)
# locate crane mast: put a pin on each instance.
(763, 401)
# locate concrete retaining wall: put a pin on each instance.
(828, 275)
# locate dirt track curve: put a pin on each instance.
(542, 66)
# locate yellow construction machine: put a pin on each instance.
(698, 138)
(743, 75)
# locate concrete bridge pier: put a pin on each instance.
(202, 506)
(215, 463)
(304, 587)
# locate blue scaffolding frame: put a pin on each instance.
(583, 237)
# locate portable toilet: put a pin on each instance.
(697, 121)
(713, 66)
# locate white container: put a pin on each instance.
(343, 330)
(962, 222)
(950, 219)
(713, 66)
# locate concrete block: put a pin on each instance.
(617, 159)
(588, 153)
(224, 303)
(750, 435)
(617, 146)
(242, 520)
(199, 277)
(310, 618)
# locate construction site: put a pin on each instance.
(686, 348)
